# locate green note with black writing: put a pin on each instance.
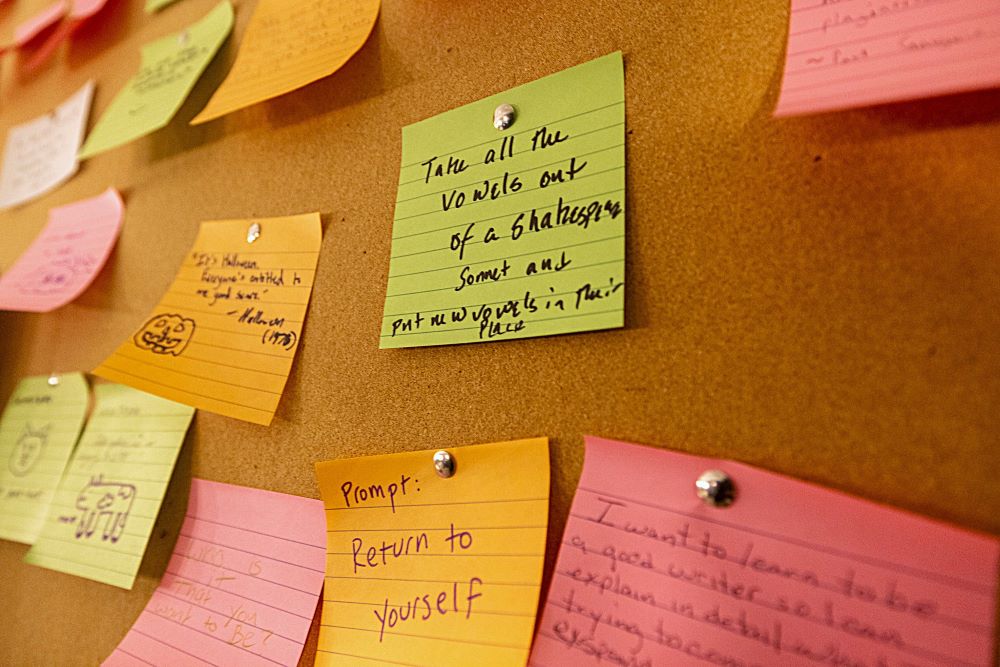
(515, 232)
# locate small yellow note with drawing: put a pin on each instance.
(429, 571)
(102, 515)
(224, 336)
(39, 427)
(288, 44)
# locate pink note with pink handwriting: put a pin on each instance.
(789, 574)
(851, 53)
(65, 257)
(241, 587)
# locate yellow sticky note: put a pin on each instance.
(224, 336)
(429, 571)
(100, 520)
(170, 68)
(288, 44)
(516, 232)
(39, 427)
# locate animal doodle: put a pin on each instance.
(165, 333)
(28, 449)
(107, 501)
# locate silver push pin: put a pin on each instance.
(715, 488)
(53, 380)
(253, 233)
(503, 116)
(444, 464)
(184, 38)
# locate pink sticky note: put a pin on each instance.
(84, 9)
(789, 574)
(241, 587)
(66, 257)
(853, 53)
(39, 23)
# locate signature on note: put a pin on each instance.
(166, 333)
(28, 449)
(99, 501)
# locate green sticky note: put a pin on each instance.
(100, 520)
(157, 5)
(38, 429)
(513, 233)
(170, 68)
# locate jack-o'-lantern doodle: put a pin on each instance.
(100, 500)
(166, 333)
(28, 449)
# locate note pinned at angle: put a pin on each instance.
(789, 574)
(41, 154)
(35, 26)
(224, 336)
(855, 53)
(38, 429)
(66, 256)
(241, 587)
(429, 571)
(288, 44)
(514, 233)
(101, 518)
(170, 68)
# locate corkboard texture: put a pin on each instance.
(818, 296)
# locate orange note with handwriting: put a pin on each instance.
(789, 574)
(288, 44)
(66, 256)
(224, 336)
(428, 571)
(242, 584)
(854, 53)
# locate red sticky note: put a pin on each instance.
(66, 257)
(853, 53)
(789, 574)
(241, 587)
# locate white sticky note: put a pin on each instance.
(41, 154)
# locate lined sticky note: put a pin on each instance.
(433, 572)
(100, 520)
(39, 23)
(789, 574)
(288, 44)
(40, 155)
(854, 53)
(170, 68)
(241, 587)
(224, 336)
(38, 429)
(514, 233)
(66, 256)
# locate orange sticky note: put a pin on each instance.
(288, 44)
(241, 587)
(429, 571)
(853, 53)
(66, 257)
(224, 336)
(789, 574)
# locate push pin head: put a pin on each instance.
(53, 380)
(503, 116)
(444, 464)
(715, 488)
(253, 233)
(184, 38)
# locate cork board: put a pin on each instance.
(817, 296)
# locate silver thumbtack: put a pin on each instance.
(53, 380)
(253, 232)
(715, 488)
(444, 464)
(503, 116)
(184, 38)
